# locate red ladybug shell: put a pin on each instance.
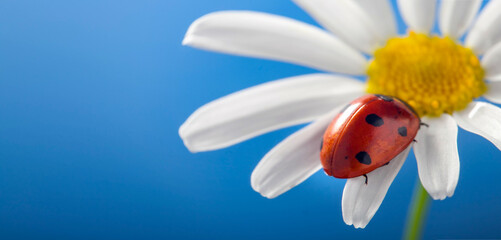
(370, 132)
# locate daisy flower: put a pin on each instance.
(437, 75)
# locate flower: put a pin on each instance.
(437, 76)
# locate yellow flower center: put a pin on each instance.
(433, 75)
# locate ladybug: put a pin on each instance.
(366, 135)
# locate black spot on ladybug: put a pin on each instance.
(321, 144)
(402, 131)
(345, 157)
(363, 158)
(374, 120)
(386, 98)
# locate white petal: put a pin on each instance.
(347, 20)
(274, 37)
(437, 156)
(493, 93)
(483, 119)
(456, 16)
(292, 161)
(266, 107)
(486, 31)
(361, 201)
(418, 14)
(491, 63)
(381, 14)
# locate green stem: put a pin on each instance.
(417, 213)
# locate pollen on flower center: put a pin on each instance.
(434, 75)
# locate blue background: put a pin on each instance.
(91, 96)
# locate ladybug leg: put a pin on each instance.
(366, 178)
(414, 140)
(424, 124)
(386, 164)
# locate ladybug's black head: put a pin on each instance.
(391, 99)
(384, 97)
